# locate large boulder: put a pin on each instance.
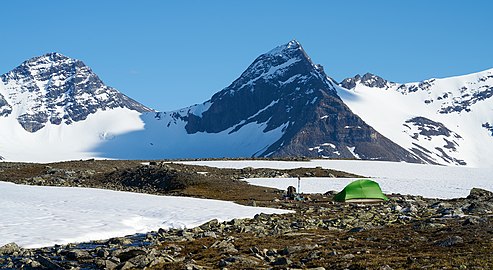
(480, 194)
(9, 249)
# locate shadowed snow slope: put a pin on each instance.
(55, 108)
(282, 105)
(35, 216)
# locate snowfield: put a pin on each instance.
(388, 110)
(153, 142)
(34, 216)
(66, 142)
(430, 181)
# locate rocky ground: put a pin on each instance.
(404, 233)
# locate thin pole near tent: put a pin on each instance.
(299, 181)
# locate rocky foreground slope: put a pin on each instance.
(405, 232)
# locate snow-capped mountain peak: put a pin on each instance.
(289, 47)
(48, 58)
(282, 65)
(55, 88)
(282, 105)
(443, 121)
(294, 107)
(283, 75)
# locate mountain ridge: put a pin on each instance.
(283, 104)
(55, 88)
(443, 121)
(293, 106)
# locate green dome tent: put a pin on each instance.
(361, 190)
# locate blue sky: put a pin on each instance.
(171, 54)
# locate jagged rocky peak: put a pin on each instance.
(290, 53)
(51, 57)
(44, 67)
(48, 72)
(55, 88)
(350, 83)
(370, 80)
(281, 65)
(286, 49)
(284, 93)
(279, 83)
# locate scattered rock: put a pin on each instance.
(348, 256)
(102, 253)
(9, 249)
(209, 225)
(281, 261)
(128, 254)
(126, 266)
(78, 254)
(48, 263)
(480, 194)
(350, 229)
(450, 241)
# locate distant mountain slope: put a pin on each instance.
(54, 88)
(53, 108)
(282, 105)
(443, 121)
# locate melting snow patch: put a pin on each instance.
(34, 216)
(328, 144)
(320, 149)
(393, 177)
(316, 148)
(351, 149)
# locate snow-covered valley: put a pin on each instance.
(426, 180)
(444, 121)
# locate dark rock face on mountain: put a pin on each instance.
(430, 128)
(5, 108)
(284, 89)
(489, 127)
(333, 131)
(467, 100)
(274, 89)
(425, 129)
(282, 105)
(368, 79)
(54, 88)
